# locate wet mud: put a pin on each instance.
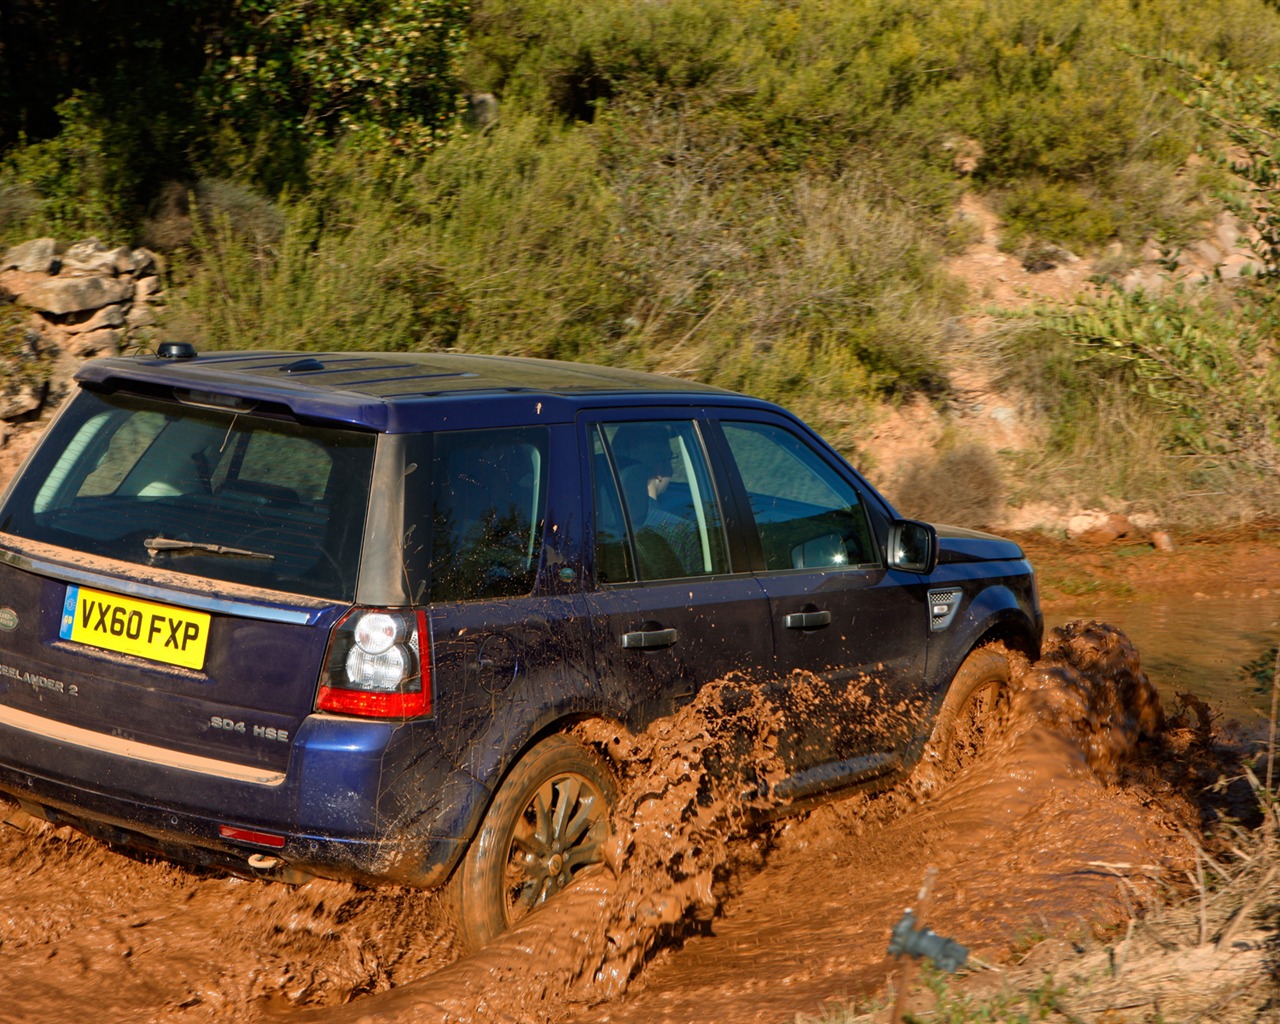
(1069, 819)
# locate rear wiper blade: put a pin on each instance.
(194, 547)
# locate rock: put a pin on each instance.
(61, 295)
(15, 282)
(143, 262)
(482, 109)
(146, 288)
(1095, 527)
(107, 316)
(1162, 540)
(1205, 254)
(1239, 265)
(96, 343)
(23, 400)
(91, 258)
(34, 257)
(140, 316)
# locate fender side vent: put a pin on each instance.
(943, 605)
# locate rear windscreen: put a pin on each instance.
(219, 494)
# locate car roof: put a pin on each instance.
(393, 391)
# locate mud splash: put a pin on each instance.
(89, 934)
(1057, 827)
(701, 914)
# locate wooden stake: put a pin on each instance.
(907, 964)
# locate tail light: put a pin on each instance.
(379, 665)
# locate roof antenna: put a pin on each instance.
(176, 350)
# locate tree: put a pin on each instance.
(289, 74)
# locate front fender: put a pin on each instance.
(996, 613)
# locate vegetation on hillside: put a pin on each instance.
(756, 193)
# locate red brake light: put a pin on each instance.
(379, 665)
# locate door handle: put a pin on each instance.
(806, 620)
(649, 638)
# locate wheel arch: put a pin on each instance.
(994, 616)
(997, 614)
(585, 725)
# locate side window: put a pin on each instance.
(614, 563)
(656, 511)
(293, 465)
(488, 504)
(125, 449)
(806, 514)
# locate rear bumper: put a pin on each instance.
(321, 817)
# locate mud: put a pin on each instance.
(1069, 819)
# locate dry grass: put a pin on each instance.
(1208, 957)
(1210, 954)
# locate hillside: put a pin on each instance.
(1003, 244)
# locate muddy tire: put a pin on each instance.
(549, 820)
(975, 711)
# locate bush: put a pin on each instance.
(75, 175)
(1164, 398)
(19, 210)
(1057, 212)
(963, 484)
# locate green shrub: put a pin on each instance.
(1057, 212)
(1166, 399)
(75, 175)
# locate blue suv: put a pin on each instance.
(338, 614)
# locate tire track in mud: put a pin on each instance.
(796, 914)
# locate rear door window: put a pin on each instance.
(656, 512)
(488, 501)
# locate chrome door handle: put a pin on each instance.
(648, 638)
(806, 620)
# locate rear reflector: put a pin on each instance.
(342, 701)
(248, 835)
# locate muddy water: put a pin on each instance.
(1198, 642)
(1053, 828)
(1063, 822)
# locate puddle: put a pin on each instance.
(1197, 644)
(1065, 822)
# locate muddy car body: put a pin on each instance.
(337, 614)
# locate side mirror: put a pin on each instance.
(913, 547)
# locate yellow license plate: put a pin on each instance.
(176, 636)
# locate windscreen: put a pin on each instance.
(220, 494)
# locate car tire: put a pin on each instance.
(974, 712)
(549, 819)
